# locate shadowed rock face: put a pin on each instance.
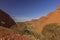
(6, 20)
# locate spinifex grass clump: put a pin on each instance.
(51, 32)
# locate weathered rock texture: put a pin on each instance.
(6, 20)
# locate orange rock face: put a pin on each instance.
(52, 17)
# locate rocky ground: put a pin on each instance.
(6, 34)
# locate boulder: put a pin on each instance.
(6, 20)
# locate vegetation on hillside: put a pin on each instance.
(27, 30)
(8, 34)
(51, 32)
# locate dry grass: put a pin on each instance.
(6, 34)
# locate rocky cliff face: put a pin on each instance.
(52, 17)
(6, 20)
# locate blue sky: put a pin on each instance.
(23, 10)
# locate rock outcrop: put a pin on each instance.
(6, 20)
(52, 17)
